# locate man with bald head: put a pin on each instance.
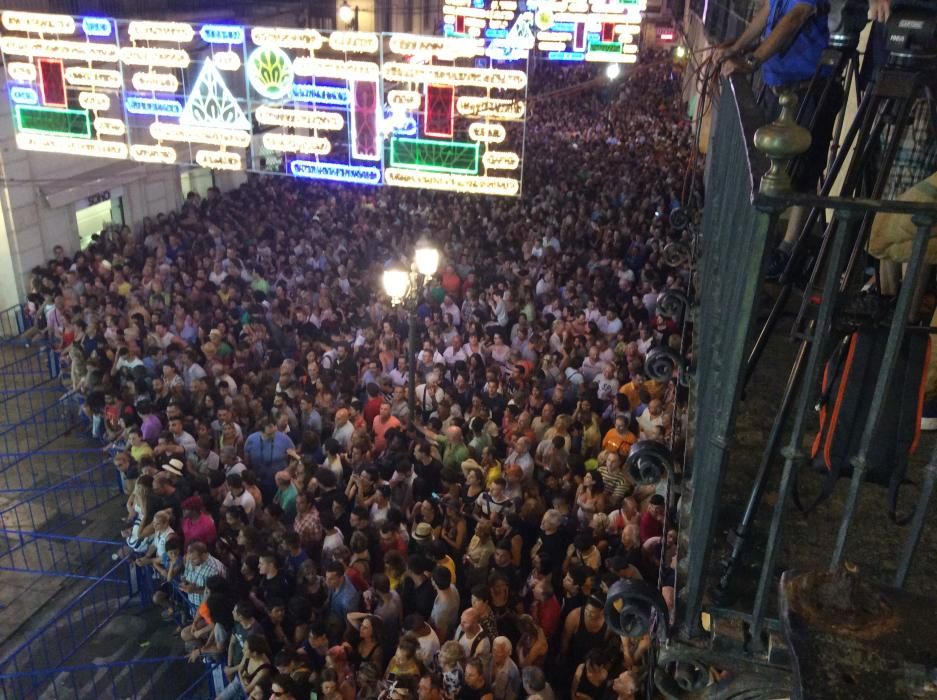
(452, 447)
(343, 429)
(472, 637)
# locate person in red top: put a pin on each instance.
(373, 405)
(546, 608)
(197, 525)
(652, 520)
(451, 282)
(380, 425)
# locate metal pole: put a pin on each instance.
(411, 361)
(917, 523)
(886, 372)
(793, 453)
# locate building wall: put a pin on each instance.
(31, 227)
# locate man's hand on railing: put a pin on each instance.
(879, 10)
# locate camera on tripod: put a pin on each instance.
(911, 37)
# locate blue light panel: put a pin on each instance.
(566, 56)
(96, 26)
(24, 95)
(357, 174)
(323, 94)
(222, 34)
(153, 105)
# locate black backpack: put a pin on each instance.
(847, 388)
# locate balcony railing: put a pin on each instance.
(743, 208)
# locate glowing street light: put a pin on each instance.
(405, 286)
(426, 258)
(396, 283)
(346, 14)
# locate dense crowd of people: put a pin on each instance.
(313, 531)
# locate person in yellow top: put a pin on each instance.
(139, 448)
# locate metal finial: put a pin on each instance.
(782, 140)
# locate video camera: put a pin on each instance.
(911, 36)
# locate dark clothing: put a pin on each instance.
(277, 588)
(418, 599)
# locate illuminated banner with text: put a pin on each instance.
(353, 107)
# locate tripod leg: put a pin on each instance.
(739, 534)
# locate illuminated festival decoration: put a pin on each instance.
(157, 82)
(221, 34)
(37, 23)
(227, 60)
(71, 146)
(93, 77)
(321, 94)
(160, 106)
(94, 101)
(218, 160)
(270, 72)
(47, 120)
(433, 112)
(152, 154)
(361, 174)
(211, 103)
(24, 95)
(451, 182)
(25, 72)
(105, 126)
(292, 143)
(96, 26)
(174, 32)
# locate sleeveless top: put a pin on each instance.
(589, 689)
(583, 640)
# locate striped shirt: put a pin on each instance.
(618, 483)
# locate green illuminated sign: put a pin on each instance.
(61, 122)
(605, 46)
(435, 156)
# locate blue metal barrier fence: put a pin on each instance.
(31, 471)
(56, 641)
(57, 507)
(126, 680)
(13, 322)
(25, 373)
(40, 428)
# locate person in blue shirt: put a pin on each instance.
(265, 453)
(786, 39)
(343, 596)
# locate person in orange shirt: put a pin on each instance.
(620, 438)
(383, 422)
(633, 390)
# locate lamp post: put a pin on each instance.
(349, 15)
(405, 287)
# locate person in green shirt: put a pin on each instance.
(451, 445)
(286, 495)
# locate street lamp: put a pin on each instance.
(405, 287)
(348, 15)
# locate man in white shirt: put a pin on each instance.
(606, 383)
(239, 496)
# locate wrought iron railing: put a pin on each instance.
(743, 207)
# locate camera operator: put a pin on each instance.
(794, 34)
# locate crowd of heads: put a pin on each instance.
(316, 531)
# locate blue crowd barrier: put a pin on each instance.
(25, 373)
(57, 640)
(126, 680)
(13, 323)
(31, 471)
(48, 554)
(58, 506)
(16, 406)
(40, 428)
